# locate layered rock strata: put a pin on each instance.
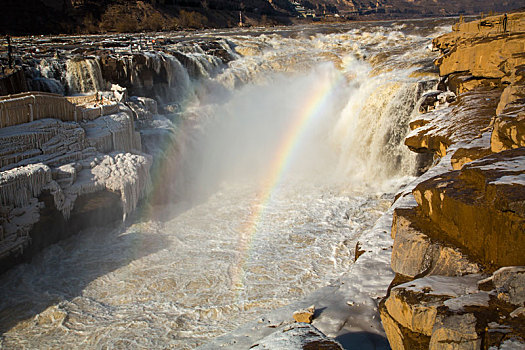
(159, 67)
(59, 177)
(457, 253)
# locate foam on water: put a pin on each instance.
(169, 284)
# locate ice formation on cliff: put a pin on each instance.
(68, 160)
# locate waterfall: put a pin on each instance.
(353, 134)
(371, 129)
(84, 75)
(178, 86)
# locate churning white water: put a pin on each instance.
(301, 150)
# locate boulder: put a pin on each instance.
(400, 337)
(414, 305)
(430, 313)
(305, 315)
(456, 332)
(298, 336)
(509, 282)
(419, 318)
(143, 108)
(438, 312)
(434, 99)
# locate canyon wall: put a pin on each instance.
(458, 251)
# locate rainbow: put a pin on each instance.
(317, 99)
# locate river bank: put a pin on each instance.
(132, 16)
(457, 251)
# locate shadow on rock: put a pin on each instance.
(363, 341)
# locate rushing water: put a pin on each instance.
(300, 151)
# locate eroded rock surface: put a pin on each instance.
(438, 312)
(460, 248)
(456, 124)
(416, 254)
(480, 208)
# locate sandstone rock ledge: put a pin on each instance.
(458, 253)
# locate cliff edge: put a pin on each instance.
(458, 251)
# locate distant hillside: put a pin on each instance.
(91, 16)
(411, 8)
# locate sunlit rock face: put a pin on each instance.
(480, 55)
(480, 208)
(469, 220)
(509, 133)
(458, 124)
(416, 253)
(483, 57)
(438, 312)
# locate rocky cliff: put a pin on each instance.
(457, 250)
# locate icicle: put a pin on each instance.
(19, 185)
(125, 173)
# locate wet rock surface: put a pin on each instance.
(459, 123)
